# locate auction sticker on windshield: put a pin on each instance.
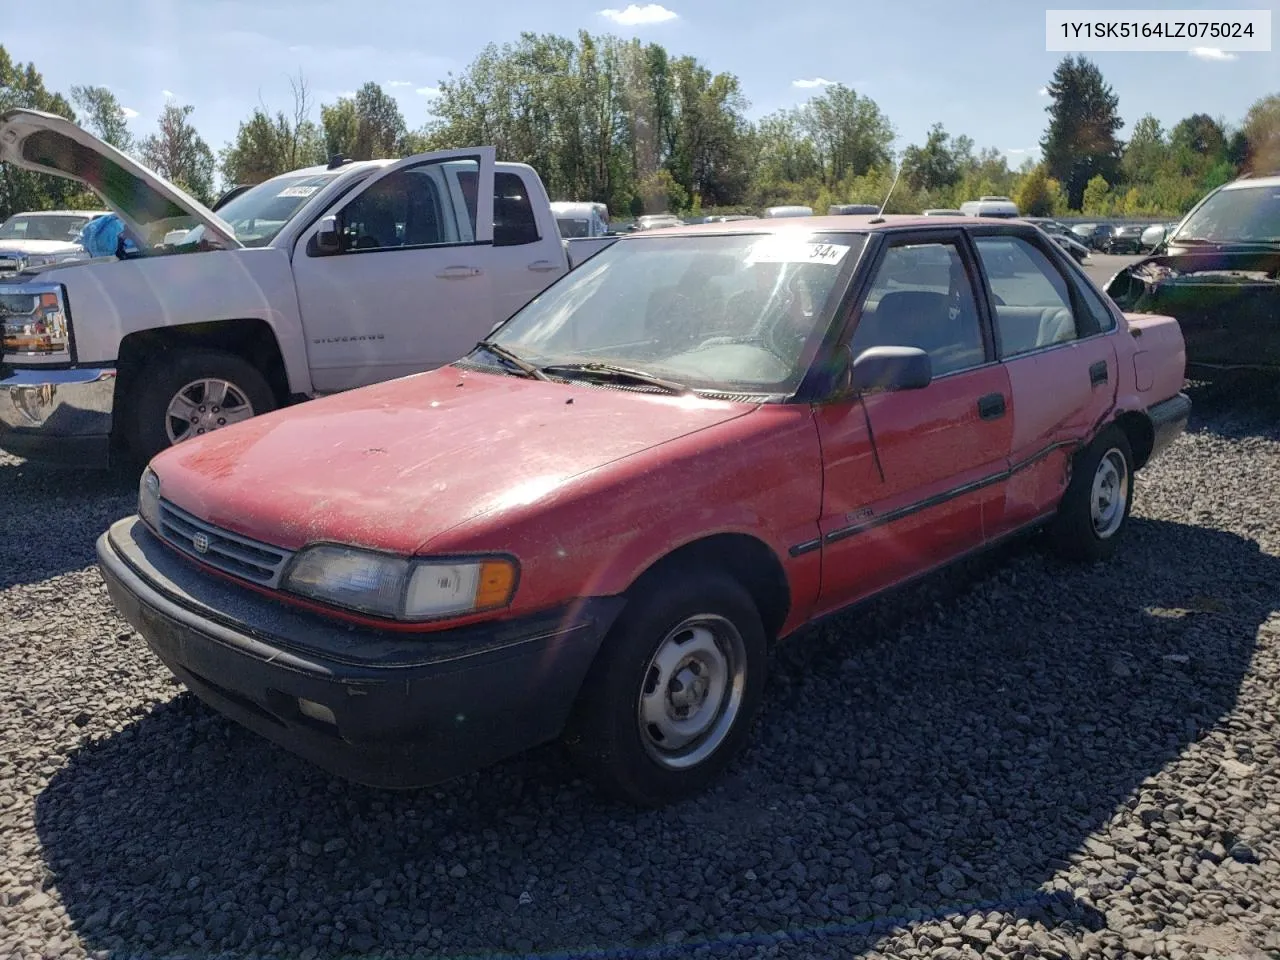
(777, 250)
(297, 191)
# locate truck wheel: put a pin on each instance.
(670, 698)
(188, 394)
(1094, 512)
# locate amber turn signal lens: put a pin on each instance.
(497, 580)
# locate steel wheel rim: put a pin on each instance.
(691, 691)
(203, 406)
(1109, 495)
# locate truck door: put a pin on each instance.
(408, 287)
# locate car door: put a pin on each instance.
(909, 476)
(409, 287)
(1053, 335)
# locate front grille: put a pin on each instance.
(227, 551)
(9, 265)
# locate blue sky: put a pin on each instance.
(978, 67)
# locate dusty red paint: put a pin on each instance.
(588, 487)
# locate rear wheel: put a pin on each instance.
(189, 394)
(1094, 512)
(670, 699)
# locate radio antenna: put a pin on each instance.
(879, 217)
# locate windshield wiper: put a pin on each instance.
(612, 371)
(515, 360)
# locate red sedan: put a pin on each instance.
(594, 524)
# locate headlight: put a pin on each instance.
(149, 499)
(401, 588)
(39, 259)
(35, 326)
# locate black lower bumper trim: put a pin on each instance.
(394, 710)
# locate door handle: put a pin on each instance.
(458, 272)
(543, 266)
(1097, 373)
(991, 407)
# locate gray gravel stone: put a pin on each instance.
(957, 771)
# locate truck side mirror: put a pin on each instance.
(326, 241)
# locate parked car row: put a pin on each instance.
(568, 497)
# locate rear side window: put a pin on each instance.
(1031, 299)
(513, 220)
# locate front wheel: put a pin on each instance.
(1094, 512)
(670, 699)
(191, 393)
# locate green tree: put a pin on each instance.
(1145, 152)
(179, 154)
(1080, 143)
(266, 146)
(367, 126)
(103, 116)
(1096, 200)
(935, 165)
(1035, 194)
(1261, 131)
(850, 132)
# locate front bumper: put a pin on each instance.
(1168, 421)
(403, 710)
(57, 416)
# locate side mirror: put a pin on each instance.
(891, 368)
(326, 241)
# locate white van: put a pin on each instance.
(581, 219)
(990, 207)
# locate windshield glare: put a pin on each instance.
(257, 215)
(41, 228)
(740, 313)
(1242, 213)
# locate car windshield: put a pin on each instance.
(257, 215)
(19, 227)
(739, 314)
(1242, 213)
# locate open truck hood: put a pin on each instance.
(149, 204)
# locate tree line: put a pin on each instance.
(631, 125)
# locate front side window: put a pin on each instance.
(1032, 302)
(417, 206)
(922, 297)
(738, 313)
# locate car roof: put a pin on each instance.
(1247, 182)
(857, 223)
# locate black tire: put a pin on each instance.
(606, 733)
(160, 380)
(1075, 532)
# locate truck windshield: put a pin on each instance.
(731, 314)
(257, 215)
(1241, 213)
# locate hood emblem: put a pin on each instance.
(201, 542)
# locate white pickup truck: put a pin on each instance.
(313, 282)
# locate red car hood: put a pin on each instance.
(392, 465)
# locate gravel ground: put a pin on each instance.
(1016, 758)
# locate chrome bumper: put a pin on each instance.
(58, 416)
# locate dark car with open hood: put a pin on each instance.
(1218, 273)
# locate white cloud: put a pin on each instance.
(399, 83)
(635, 15)
(1043, 91)
(1016, 150)
(811, 84)
(347, 94)
(167, 94)
(429, 91)
(1211, 53)
(128, 112)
